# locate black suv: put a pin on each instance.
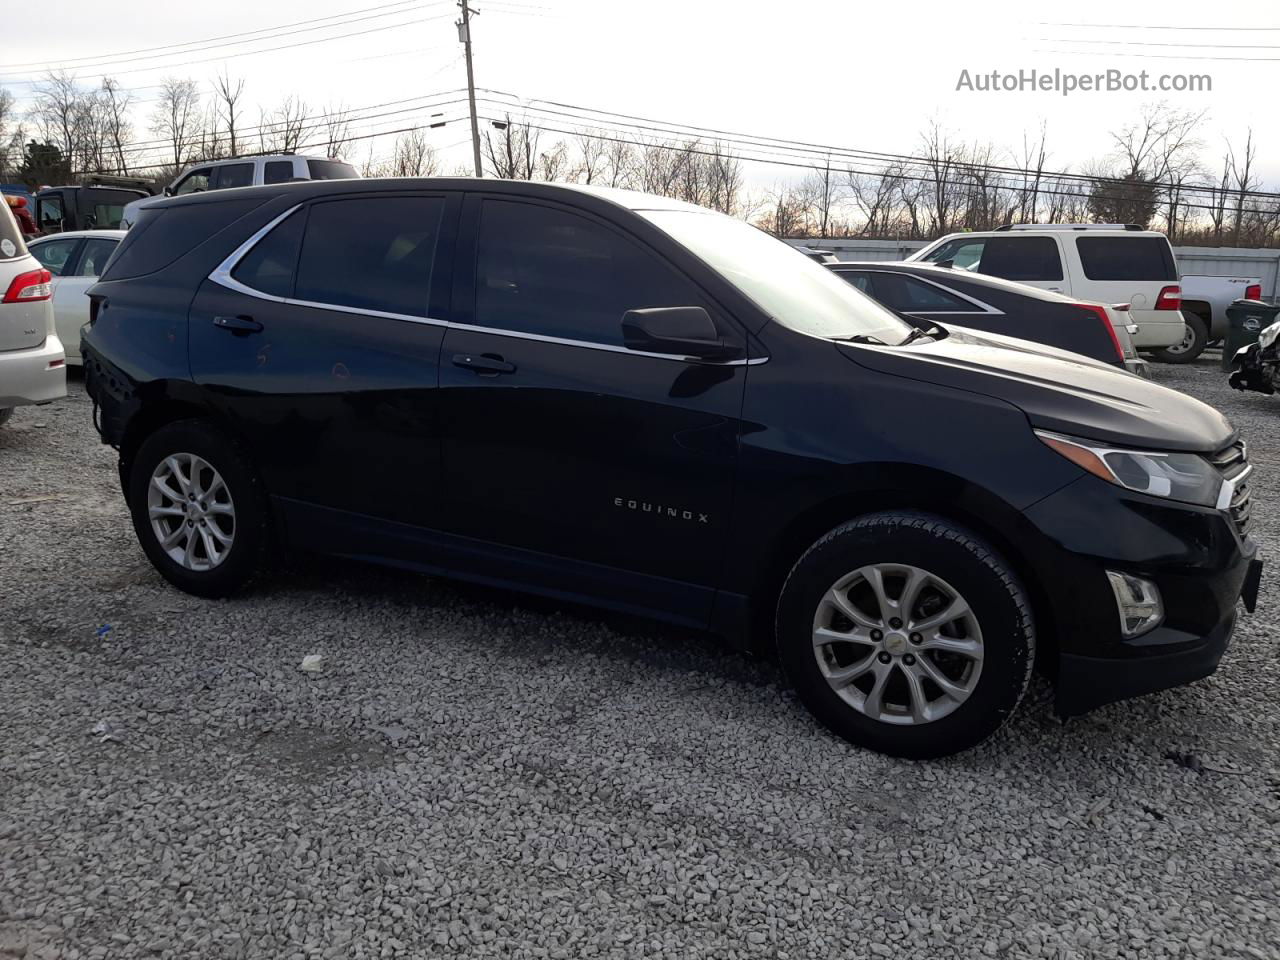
(630, 401)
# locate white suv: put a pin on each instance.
(246, 172)
(1107, 263)
(33, 367)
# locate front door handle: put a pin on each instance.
(485, 364)
(240, 324)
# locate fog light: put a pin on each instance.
(1138, 600)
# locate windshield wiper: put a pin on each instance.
(861, 338)
(933, 331)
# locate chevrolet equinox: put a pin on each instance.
(629, 401)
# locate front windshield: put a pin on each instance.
(793, 289)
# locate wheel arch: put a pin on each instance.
(978, 510)
(160, 403)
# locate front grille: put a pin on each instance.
(1233, 461)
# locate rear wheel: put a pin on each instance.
(907, 634)
(1194, 339)
(5, 414)
(198, 509)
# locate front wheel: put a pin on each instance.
(907, 634)
(199, 510)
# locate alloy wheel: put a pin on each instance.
(898, 643)
(191, 511)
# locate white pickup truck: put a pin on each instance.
(1204, 307)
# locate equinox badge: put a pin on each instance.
(661, 510)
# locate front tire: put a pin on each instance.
(907, 634)
(199, 510)
(1194, 340)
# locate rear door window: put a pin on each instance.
(374, 253)
(269, 266)
(1021, 258)
(1127, 258)
(277, 171)
(910, 295)
(232, 175)
(94, 256)
(860, 280)
(55, 254)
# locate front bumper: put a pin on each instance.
(38, 375)
(1201, 564)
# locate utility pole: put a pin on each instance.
(464, 34)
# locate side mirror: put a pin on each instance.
(168, 191)
(945, 264)
(685, 331)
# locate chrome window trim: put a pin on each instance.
(221, 275)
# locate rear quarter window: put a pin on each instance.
(164, 233)
(1127, 258)
(330, 170)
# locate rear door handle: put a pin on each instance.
(485, 364)
(238, 324)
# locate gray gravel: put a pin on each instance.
(474, 773)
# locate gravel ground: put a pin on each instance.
(475, 773)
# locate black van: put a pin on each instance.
(629, 401)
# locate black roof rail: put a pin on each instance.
(1003, 227)
(1134, 226)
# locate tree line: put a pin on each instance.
(1157, 171)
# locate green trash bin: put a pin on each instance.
(1248, 318)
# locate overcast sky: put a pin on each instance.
(868, 75)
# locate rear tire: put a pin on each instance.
(1193, 342)
(199, 510)
(940, 678)
(5, 414)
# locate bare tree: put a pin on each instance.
(1243, 177)
(553, 164)
(10, 151)
(783, 213)
(56, 112)
(593, 152)
(940, 160)
(513, 151)
(621, 161)
(281, 130)
(116, 103)
(176, 117)
(820, 191)
(413, 156)
(337, 131)
(227, 94)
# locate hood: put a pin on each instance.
(1057, 390)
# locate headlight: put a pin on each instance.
(1188, 477)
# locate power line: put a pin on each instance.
(1150, 26)
(1153, 56)
(64, 61)
(1161, 43)
(248, 53)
